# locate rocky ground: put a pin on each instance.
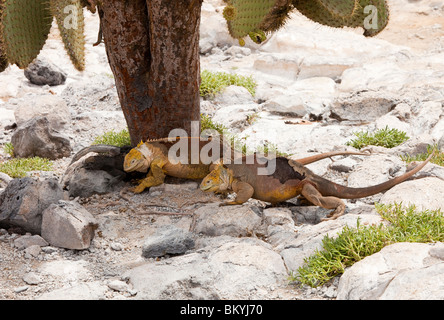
(316, 86)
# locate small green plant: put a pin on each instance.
(206, 123)
(19, 167)
(386, 137)
(354, 244)
(8, 149)
(273, 149)
(438, 157)
(252, 118)
(214, 82)
(118, 139)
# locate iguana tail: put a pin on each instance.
(99, 148)
(328, 188)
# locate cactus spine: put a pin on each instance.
(70, 20)
(25, 25)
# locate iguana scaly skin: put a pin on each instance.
(289, 179)
(152, 156)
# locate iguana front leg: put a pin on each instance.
(315, 197)
(155, 177)
(244, 191)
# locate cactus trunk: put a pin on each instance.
(153, 50)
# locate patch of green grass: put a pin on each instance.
(386, 137)
(118, 139)
(206, 123)
(18, 167)
(354, 244)
(8, 149)
(214, 82)
(438, 157)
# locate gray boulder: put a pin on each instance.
(36, 137)
(235, 221)
(237, 269)
(68, 225)
(167, 240)
(42, 72)
(401, 271)
(23, 201)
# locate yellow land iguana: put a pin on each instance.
(153, 154)
(289, 179)
(152, 157)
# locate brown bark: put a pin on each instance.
(153, 51)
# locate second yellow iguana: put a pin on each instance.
(288, 179)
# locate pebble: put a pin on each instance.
(21, 289)
(32, 251)
(116, 246)
(118, 285)
(32, 278)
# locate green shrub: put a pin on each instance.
(438, 157)
(386, 137)
(8, 149)
(18, 167)
(354, 244)
(214, 82)
(118, 139)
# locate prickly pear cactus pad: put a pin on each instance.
(24, 28)
(255, 17)
(70, 20)
(3, 58)
(372, 15)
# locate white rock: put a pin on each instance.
(94, 290)
(399, 271)
(237, 268)
(374, 170)
(234, 95)
(428, 115)
(374, 76)
(278, 64)
(51, 106)
(10, 86)
(118, 285)
(235, 117)
(66, 270)
(304, 97)
(32, 278)
(7, 117)
(426, 193)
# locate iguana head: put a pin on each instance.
(218, 180)
(138, 159)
